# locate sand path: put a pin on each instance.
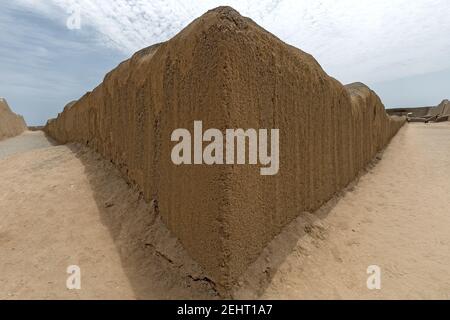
(29, 140)
(63, 205)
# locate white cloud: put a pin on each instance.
(352, 39)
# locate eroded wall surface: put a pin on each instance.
(228, 72)
(11, 124)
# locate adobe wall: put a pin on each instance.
(11, 124)
(228, 72)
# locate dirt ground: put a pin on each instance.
(64, 205)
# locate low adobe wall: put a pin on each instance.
(228, 72)
(438, 113)
(11, 124)
(441, 110)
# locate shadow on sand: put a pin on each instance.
(154, 261)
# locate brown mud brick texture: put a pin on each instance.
(11, 124)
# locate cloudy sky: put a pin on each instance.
(400, 48)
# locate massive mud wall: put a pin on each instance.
(228, 72)
(11, 124)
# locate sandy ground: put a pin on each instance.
(64, 205)
(27, 141)
(397, 216)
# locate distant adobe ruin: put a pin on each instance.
(438, 113)
(11, 124)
